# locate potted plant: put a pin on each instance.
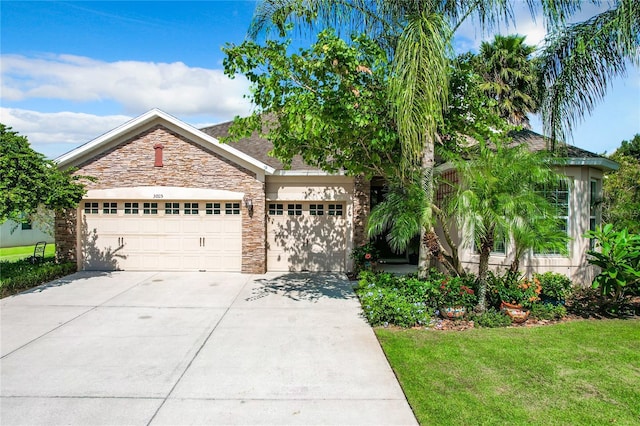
(456, 296)
(517, 294)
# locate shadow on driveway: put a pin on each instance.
(304, 286)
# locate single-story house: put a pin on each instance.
(13, 234)
(169, 196)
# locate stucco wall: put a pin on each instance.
(574, 265)
(12, 235)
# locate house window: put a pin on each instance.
(150, 208)
(334, 210)
(559, 199)
(91, 208)
(499, 247)
(25, 226)
(276, 209)
(594, 204)
(212, 208)
(232, 208)
(131, 208)
(171, 208)
(316, 209)
(109, 208)
(190, 208)
(294, 209)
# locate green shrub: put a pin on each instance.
(22, 275)
(548, 311)
(618, 257)
(491, 318)
(554, 286)
(387, 299)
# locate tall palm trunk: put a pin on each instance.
(486, 245)
(427, 165)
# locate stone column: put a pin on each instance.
(361, 209)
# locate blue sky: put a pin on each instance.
(71, 71)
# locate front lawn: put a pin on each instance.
(577, 372)
(10, 254)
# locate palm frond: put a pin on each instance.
(580, 60)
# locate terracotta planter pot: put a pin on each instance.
(453, 312)
(516, 312)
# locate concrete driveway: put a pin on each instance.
(163, 348)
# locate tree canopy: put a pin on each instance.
(28, 180)
(327, 103)
(621, 202)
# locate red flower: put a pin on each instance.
(367, 256)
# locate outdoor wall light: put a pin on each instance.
(248, 203)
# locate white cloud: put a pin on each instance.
(137, 86)
(57, 132)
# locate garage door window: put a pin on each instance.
(91, 208)
(109, 208)
(316, 209)
(212, 208)
(131, 208)
(294, 209)
(232, 208)
(171, 208)
(150, 208)
(190, 208)
(335, 210)
(276, 209)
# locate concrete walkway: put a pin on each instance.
(163, 348)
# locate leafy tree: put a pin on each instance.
(327, 103)
(630, 148)
(510, 76)
(498, 196)
(417, 36)
(29, 181)
(621, 190)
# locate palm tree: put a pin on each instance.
(510, 77)
(499, 196)
(579, 61)
(418, 36)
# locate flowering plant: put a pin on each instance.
(514, 289)
(364, 257)
(455, 291)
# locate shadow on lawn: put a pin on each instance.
(305, 286)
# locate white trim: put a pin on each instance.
(306, 173)
(71, 157)
(160, 193)
(591, 161)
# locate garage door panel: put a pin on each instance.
(305, 242)
(162, 242)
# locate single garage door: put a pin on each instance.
(306, 236)
(167, 235)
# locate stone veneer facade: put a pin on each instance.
(185, 164)
(361, 208)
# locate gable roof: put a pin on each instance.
(152, 118)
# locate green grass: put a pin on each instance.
(578, 372)
(11, 254)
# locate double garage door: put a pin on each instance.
(165, 235)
